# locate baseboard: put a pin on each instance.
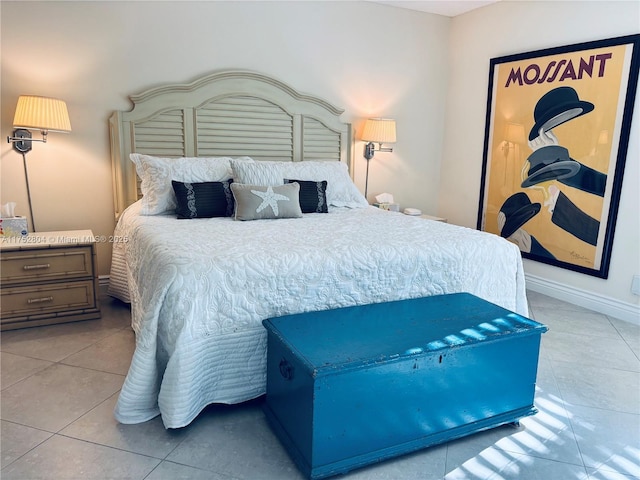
(593, 301)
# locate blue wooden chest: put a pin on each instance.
(353, 386)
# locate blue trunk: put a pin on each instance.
(353, 386)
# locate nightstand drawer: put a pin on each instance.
(46, 299)
(46, 264)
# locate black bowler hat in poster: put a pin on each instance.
(514, 213)
(517, 210)
(552, 161)
(556, 107)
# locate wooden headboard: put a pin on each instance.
(230, 113)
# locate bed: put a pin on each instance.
(200, 285)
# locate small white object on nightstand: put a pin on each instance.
(412, 211)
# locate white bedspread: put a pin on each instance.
(200, 288)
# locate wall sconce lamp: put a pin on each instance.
(377, 130)
(36, 113)
(514, 136)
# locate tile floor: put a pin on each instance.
(60, 383)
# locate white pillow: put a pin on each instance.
(156, 174)
(262, 173)
(341, 191)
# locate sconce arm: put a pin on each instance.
(370, 149)
(21, 139)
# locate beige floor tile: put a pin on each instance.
(16, 440)
(56, 396)
(583, 323)
(115, 314)
(148, 438)
(540, 300)
(599, 387)
(603, 352)
(488, 466)
(630, 332)
(17, 367)
(174, 471)
(55, 342)
(63, 458)
(111, 354)
(216, 443)
(609, 441)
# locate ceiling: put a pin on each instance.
(448, 8)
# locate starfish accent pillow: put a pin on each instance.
(254, 202)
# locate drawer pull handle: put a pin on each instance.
(286, 369)
(39, 300)
(40, 266)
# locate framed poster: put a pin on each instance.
(557, 131)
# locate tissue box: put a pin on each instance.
(393, 207)
(13, 227)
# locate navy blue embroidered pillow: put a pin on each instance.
(313, 196)
(203, 200)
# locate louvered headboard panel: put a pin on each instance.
(319, 142)
(243, 125)
(231, 113)
(162, 135)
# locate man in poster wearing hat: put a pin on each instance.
(551, 161)
(514, 213)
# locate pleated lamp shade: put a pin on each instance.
(379, 130)
(515, 133)
(42, 113)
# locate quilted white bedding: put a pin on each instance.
(199, 290)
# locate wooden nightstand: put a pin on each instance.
(431, 217)
(48, 277)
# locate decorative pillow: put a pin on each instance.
(255, 202)
(341, 191)
(157, 173)
(203, 200)
(313, 198)
(257, 173)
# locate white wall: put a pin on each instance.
(372, 60)
(515, 27)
